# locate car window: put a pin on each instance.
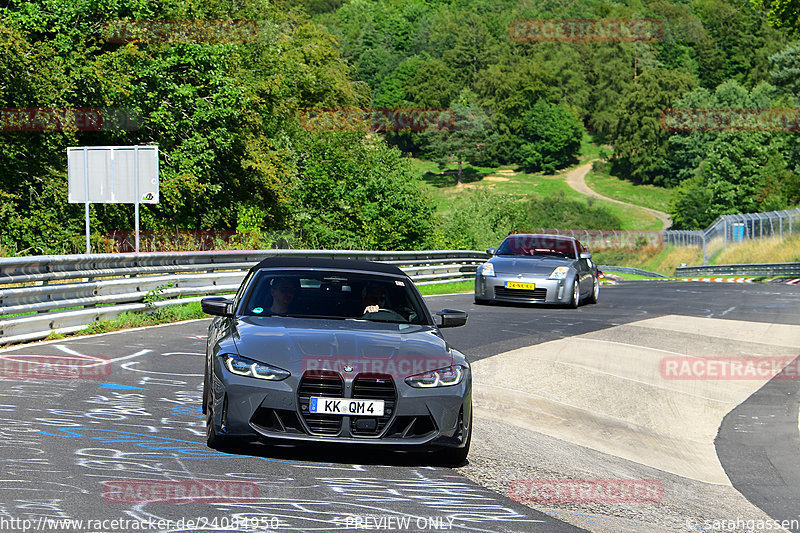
(537, 245)
(333, 294)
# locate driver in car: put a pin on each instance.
(373, 299)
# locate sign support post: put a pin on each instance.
(136, 194)
(86, 193)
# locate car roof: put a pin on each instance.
(324, 263)
(549, 235)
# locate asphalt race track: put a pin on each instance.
(97, 449)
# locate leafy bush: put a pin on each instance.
(480, 219)
(558, 211)
(353, 191)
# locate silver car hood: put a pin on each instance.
(296, 344)
(528, 265)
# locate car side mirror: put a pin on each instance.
(490, 251)
(216, 305)
(451, 318)
(586, 255)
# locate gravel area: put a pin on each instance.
(503, 453)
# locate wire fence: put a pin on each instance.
(732, 229)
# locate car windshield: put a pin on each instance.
(332, 295)
(537, 245)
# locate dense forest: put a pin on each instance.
(539, 96)
(226, 113)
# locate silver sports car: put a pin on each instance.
(544, 269)
(335, 351)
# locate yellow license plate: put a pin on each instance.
(520, 285)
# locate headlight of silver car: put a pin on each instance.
(444, 377)
(559, 273)
(242, 366)
(487, 269)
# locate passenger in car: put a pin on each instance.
(282, 291)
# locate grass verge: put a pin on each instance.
(127, 320)
(661, 259)
(447, 288)
(761, 251)
(658, 198)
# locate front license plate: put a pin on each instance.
(520, 285)
(343, 406)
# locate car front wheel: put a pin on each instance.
(595, 291)
(455, 456)
(213, 438)
(576, 295)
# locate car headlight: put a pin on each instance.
(487, 269)
(242, 366)
(559, 273)
(444, 377)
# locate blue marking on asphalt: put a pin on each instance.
(150, 442)
(120, 387)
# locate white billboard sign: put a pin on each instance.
(112, 175)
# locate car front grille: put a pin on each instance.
(325, 384)
(373, 387)
(535, 294)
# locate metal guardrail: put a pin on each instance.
(629, 270)
(756, 269)
(63, 294)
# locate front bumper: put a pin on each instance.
(251, 409)
(547, 291)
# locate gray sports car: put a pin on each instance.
(335, 351)
(542, 269)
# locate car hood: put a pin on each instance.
(297, 345)
(528, 265)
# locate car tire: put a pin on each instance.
(453, 457)
(206, 389)
(595, 291)
(213, 439)
(575, 301)
(480, 301)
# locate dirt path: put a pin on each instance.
(576, 180)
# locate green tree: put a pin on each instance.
(781, 13)
(640, 142)
(468, 133)
(551, 137)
